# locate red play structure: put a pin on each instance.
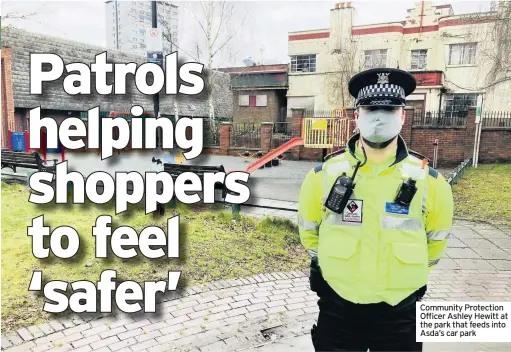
(293, 142)
(316, 132)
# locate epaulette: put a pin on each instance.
(432, 172)
(418, 155)
(331, 155)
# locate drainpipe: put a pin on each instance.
(422, 16)
(477, 141)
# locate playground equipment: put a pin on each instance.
(316, 133)
(20, 142)
(247, 155)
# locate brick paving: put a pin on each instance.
(253, 312)
(229, 315)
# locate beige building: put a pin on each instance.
(449, 55)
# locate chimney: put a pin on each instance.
(341, 23)
(343, 5)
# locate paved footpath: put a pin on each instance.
(269, 312)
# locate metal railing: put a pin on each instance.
(211, 133)
(246, 135)
(439, 118)
(325, 132)
(282, 132)
(496, 119)
(318, 113)
(458, 172)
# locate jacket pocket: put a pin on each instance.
(408, 266)
(340, 259)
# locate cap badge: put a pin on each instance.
(383, 78)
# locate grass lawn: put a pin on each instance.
(213, 247)
(484, 193)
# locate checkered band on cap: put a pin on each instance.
(381, 90)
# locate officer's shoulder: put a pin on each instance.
(328, 159)
(334, 154)
(419, 158)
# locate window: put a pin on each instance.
(456, 105)
(375, 58)
(419, 59)
(243, 100)
(462, 54)
(303, 63)
(253, 100)
(261, 100)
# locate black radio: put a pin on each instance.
(341, 192)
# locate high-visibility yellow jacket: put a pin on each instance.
(376, 251)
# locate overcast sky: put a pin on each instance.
(266, 23)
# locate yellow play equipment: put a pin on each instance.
(321, 132)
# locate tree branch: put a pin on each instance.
(229, 38)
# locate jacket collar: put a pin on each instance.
(401, 151)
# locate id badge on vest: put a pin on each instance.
(353, 211)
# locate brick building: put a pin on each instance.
(17, 45)
(259, 93)
(447, 54)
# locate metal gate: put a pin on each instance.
(327, 132)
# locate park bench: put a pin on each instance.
(32, 160)
(177, 169)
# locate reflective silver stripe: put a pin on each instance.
(425, 197)
(307, 225)
(439, 235)
(391, 222)
(414, 171)
(433, 262)
(312, 252)
(325, 185)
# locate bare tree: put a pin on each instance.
(216, 22)
(12, 16)
(346, 63)
(495, 50)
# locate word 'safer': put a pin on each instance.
(83, 297)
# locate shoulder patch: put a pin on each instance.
(331, 155)
(432, 172)
(318, 168)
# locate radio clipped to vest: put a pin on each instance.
(341, 192)
(406, 192)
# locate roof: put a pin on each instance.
(279, 68)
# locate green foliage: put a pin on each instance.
(214, 246)
(484, 194)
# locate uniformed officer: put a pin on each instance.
(375, 220)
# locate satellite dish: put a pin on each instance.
(249, 62)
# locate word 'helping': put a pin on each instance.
(128, 130)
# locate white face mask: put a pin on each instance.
(379, 126)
